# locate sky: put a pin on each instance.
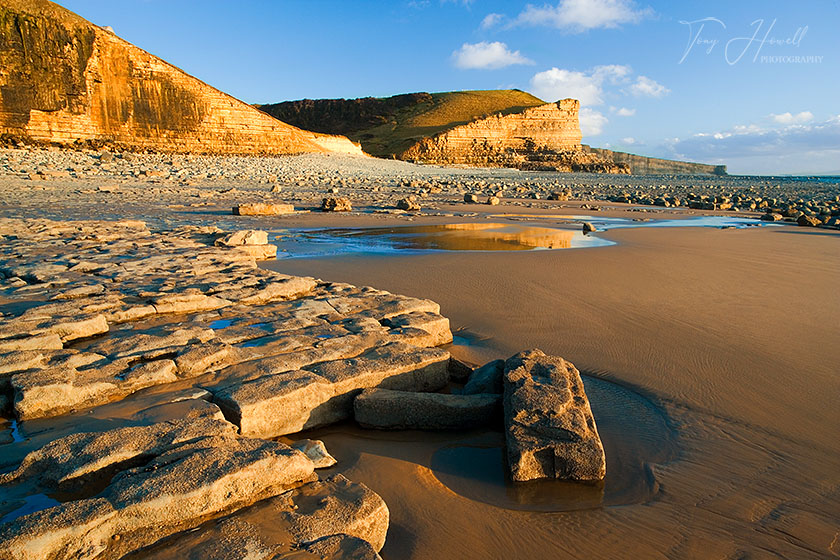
(753, 84)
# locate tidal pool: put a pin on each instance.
(424, 239)
(491, 236)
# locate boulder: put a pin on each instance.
(262, 209)
(409, 204)
(336, 204)
(808, 221)
(470, 198)
(588, 228)
(550, 430)
(487, 379)
(403, 410)
(772, 217)
(493, 200)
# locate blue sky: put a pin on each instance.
(757, 88)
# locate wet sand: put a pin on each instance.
(730, 333)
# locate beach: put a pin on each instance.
(707, 354)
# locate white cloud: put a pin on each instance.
(587, 87)
(788, 118)
(646, 87)
(794, 148)
(491, 20)
(629, 140)
(592, 122)
(582, 15)
(625, 112)
(488, 56)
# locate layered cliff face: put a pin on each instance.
(642, 165)
(387, 126)
(66, 81)
(498, 138)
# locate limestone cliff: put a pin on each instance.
(501, 139)
(387, 126)
(643, 165)
(66, 81)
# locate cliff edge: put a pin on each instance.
(65, 81)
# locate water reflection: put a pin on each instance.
(445, 237)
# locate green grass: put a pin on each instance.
(444, 111)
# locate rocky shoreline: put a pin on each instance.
(201, 367)
(125, 180)
(94, 312)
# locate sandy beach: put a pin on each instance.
(727, 332)
(707, 355)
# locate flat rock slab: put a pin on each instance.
(333, 519)
(289, 402)
(175, 491)
(72, 459)
(550, 430)
(403, 410)
(104, 279)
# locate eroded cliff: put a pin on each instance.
(66, 81)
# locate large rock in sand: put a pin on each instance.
(550, 430)
(403, 410)
(262, 209)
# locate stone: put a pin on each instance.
(336, 204)
(285, 403)
(259, 252)
(549, 428)
(486, 379)
(808, 221)
(57, 390)
(244, 237)
(772, 217)
(316, 451)
(409, 204)
(459, 371)
(188, 303)
(471, 198)
(73, 459)
(263, 208)
(173, 492)
(83, 328)
(49, 341)
(341, 546)
(493, 200)
(402, 410)
(210, 356)
(435, 327)
(346, 507)
(333, 519)
(588, 228)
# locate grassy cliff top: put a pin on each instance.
(390, 125)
